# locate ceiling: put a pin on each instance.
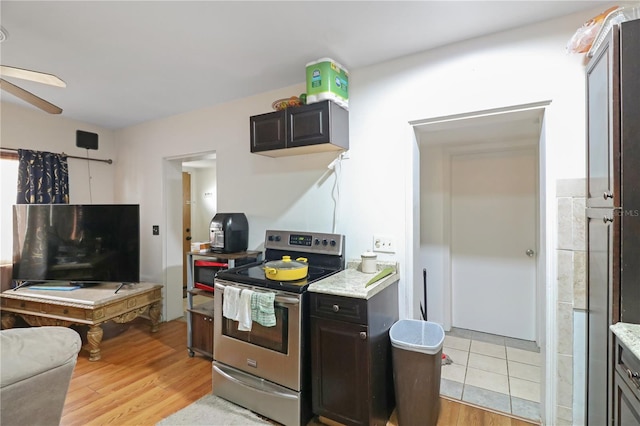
(127, 62)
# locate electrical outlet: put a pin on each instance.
(156, 230)
(384, 244)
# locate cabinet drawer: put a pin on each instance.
(628, 366)
(339, 308)
(28, 306)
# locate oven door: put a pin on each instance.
(271, 353)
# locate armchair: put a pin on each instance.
(36, 365)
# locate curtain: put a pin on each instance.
(43, 178)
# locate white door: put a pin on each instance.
(493, 242)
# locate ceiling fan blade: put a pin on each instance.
(39, 77)
(29, 97)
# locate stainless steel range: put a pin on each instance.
(267, 369)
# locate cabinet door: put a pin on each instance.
(308, 125)
(626, 405)
(202, 333)
(268, 131)
(630, 170)
(602, 276)
(603, 124)
(340, 371)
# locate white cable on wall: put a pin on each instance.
(336, 166)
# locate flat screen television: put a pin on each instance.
(84, 244)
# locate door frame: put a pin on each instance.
(173, 258)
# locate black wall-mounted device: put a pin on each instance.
(86, 140)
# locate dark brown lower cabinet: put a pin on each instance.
(626, 388)
(352, 372)
(342, 374)
(626, 404)
(202, 335)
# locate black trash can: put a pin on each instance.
(417, 364)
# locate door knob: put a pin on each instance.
(530, 253)
(188, 238)
(607, 195)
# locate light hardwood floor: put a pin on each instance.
(143, 378)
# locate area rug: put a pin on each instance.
(213, 411)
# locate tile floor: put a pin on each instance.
(492, 371)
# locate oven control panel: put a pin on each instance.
(309, 242)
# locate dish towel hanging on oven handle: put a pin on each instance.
(231, 297)
(244, 310)
(262, 308)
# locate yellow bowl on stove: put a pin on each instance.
(286, 269)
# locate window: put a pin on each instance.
(8, 184)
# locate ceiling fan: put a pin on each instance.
(39, 77)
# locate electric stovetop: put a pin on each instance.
(253, 274)
(324, 254)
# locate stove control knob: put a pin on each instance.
(270, 238)
(277, 237)
(333, 243)
(325, 242)
(316, 242)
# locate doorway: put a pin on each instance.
(442, 147)
(186, 226)
(202, 204)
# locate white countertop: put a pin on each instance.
(351, 281)
(629, 335)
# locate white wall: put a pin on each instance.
(518, 67)
(28, 128)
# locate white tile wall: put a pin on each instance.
(571, 289)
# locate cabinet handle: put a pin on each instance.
(607, 219)
(363, 335)
(336, 308)
(632, 375)
(607, 195)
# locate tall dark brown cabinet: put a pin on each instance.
(613, 206)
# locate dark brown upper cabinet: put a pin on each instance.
(317, 127)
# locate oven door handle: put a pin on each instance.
(263, 387)
(279, 299)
